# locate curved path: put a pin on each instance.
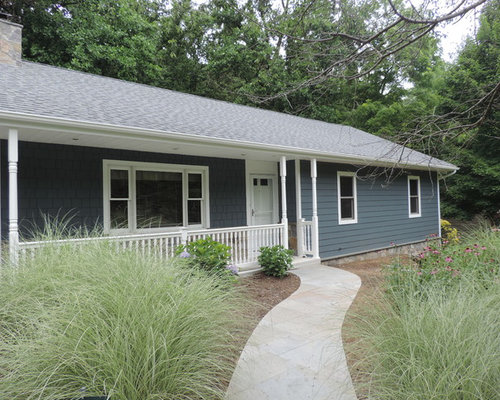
(296, 352)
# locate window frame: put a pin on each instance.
(419, 195)
(344, 221)
(132, 167)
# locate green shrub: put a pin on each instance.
(94, 321)
(206, 254)
(275, 260)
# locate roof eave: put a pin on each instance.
(15, 119)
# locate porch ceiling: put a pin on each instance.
(76, 137)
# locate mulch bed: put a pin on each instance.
(267, 291)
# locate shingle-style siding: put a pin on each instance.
(382, 211)
(60, 179)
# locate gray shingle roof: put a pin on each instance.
(38, 89)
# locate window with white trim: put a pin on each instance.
(347, 198)
(414, 206)
(143, 197)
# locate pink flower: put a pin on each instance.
(476, 253)
(483, 248)
(421, 255)
(445, 242)
(449, 259)
(435, 252)
(448, 268)
(476, 245)
(468, 250)
(419, 272)
(434, 272)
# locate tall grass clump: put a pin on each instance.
(436, 334)
(91, 321)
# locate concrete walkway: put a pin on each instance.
(296, 351)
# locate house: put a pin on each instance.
(155, 168)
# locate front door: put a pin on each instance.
(262, 200)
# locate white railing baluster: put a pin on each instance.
(244, 241)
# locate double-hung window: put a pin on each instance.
(414, 209)
(143, 197)
(347, 198)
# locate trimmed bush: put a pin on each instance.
(206, 254)
(275, 260)
(93, 321)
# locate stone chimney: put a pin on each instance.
(10, 41)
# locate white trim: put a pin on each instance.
(298, 209)
(263, 171)
(439, 208)
(100, 129)
(284, 216)
(315, 220)
(410, 214)
(274, 181)
(132, 167)
(355, 197)
(13, 159)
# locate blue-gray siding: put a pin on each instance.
(60, 179)
(382, 211)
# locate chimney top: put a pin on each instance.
(10, 41)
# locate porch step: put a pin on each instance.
(303, 261)
(296, 262)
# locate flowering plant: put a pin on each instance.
(446, 264)
(450, 234)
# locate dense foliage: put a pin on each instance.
(91, 320)
(238, 51)
(275, 260)
(207, 254)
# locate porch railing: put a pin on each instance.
(244, 241)
(307, 237)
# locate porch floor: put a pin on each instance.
(296, 351)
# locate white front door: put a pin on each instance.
(262, 199)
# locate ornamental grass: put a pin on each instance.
(436, 333)
(92, 321)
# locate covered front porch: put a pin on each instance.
(245, 230)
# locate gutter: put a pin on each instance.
(85, 127)
(448, 175)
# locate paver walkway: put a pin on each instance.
(296, 352)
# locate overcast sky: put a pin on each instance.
(454, 35)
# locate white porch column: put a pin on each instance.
(315, 227)
(298, 199)
(13, 226)
(284, 218)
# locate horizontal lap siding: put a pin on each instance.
(60, 180)
(382, 211)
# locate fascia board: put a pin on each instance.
(21, 120)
